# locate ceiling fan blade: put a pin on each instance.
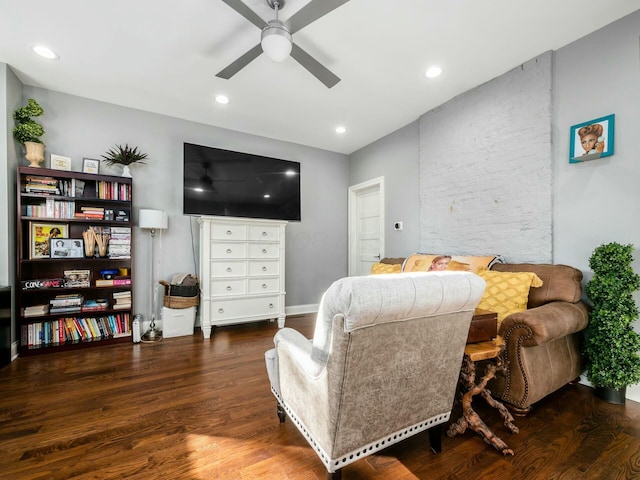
(311, 12)
(315, 68)
(240, 63)
(246, 12)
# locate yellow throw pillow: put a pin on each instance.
(378, 268)
(507, 292)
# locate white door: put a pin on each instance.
(366, 225)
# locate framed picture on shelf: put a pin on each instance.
(66, 248)
(58, 162)
(90, 165)
(592, 140)
(40, 235)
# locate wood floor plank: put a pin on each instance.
(193, 408)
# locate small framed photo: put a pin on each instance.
(40, 235)
(58, 162)
(66, 247)
(592, 140)
(90, 165)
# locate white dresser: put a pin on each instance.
(242, 271)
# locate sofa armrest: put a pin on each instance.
(545, 323)
(300, 348)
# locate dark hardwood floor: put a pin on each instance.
(190, 408)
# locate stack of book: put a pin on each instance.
(90, 213)
(122, 300)
(65, 303)
(120, 242)
(35, 310)
(41, 185)
(97, 304)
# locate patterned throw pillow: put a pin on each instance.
(507, 292)
(378, 268)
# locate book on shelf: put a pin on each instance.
(113, 282)
(77, 278)
(35, 311)
(95, 304)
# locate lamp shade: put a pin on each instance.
(276, 41)
(152, 218)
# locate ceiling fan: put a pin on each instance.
(276, 39)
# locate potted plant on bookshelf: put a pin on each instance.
(125, 156)
(611, 346)
(28, 132)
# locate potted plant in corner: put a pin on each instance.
(124, 156)
(28, 132)
(611, 345)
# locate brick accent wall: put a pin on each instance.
(486, 170)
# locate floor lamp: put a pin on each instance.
(152, 220)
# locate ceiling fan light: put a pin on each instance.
(276, 41)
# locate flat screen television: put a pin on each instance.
(226, 183)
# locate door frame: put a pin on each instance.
(354, 191)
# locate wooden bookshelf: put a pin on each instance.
(60, 307)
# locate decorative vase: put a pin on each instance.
(126, 171)
(34, 153)
(612, 395)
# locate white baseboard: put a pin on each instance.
(301, 309)
(14, 350)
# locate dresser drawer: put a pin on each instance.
(266, 267)
(228, 287)
(246, 307)
(264, 285)
(266, 232)
(228, 269)
(264, 250)
(223, 231)
(228, 250)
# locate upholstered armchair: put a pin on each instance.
(382, 366)
(543, 343)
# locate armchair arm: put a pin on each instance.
(547, 322)
(299, 348)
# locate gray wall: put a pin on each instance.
(599, 201)
(316, 252)
(394, 157)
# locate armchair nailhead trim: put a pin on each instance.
(505, 395)
(333, 464)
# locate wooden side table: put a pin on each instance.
(468, 388)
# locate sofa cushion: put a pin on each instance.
(560, 282)
(378, 268)
(421, 262)
(507, 292)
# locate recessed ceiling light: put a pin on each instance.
(45, 52)
(433, 72)
(223, 99)
(340, 129)
(266, 195)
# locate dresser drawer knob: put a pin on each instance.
(264, 234)
(221, 310)
(264, 269)
(271, 305)
(264, 285)
(228, 250)
(264, 250)
(229, 269)
(229, 232)
(228, 288)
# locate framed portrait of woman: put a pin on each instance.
(592, 140)
(40, 235)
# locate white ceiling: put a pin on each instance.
(162, 56)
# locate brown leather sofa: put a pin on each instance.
(543, 343)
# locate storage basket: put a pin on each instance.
(180, 296)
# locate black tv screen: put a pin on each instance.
(225, 183)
